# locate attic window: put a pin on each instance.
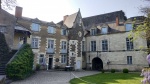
(63, 32)
(104, 30)
(93, 32)
(128, 27)
(51, 30)
(35, 27)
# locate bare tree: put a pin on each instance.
(7, 4)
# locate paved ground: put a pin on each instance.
(53, 77)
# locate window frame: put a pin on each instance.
(104, 28)
(63, 58)
(104, 45)
(50, 44)
(63, 31)
(129, 60)
(41, 59)
(51, 30)
(93, 32)
(129, 28)
(93, 45)
(83, 45)
(64, 45)
(35, 26)
(35, 43)
(129, 43)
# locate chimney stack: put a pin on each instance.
(18, 12)
(65, 17)
(117, 21)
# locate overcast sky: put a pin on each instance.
(54, 10)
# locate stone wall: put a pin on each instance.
(2, 79)
(117, 52)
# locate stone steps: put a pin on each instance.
(5, 60)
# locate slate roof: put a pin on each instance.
(103, 18)
(137, 18)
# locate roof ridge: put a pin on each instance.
(103, 14)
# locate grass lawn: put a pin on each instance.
(110, 78)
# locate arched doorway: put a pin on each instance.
(97, 64)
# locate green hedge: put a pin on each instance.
(4, 49)
(21, 66)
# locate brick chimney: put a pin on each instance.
(18, 12)
(117, 21)
(65, 17)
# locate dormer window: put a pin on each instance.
(63, 32)
(128, 27)
(51, 30)
(35, 27)
(93, 32)
(104, 30)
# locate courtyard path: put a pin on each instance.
(53, 77)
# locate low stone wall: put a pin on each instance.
(2, 79)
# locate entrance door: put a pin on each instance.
(50, 63)
(97, 64)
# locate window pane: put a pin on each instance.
(104, 45)
(51, 30)
(93, 31)
(51, 44)
(128, 27)
(41, 59)
(34, 43)
(35, 27)
(104, 31)
(129, 43)
(63, 58)
(129, 59)
(93, 45)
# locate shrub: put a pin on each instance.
(22, 65)
(125, 70)
(4, 49)
(38, 67)
(103, 71)
(113, 70)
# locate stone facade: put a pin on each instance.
(7, 25)
(117, 52)
(69, 42)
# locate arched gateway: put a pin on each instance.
(97, 64)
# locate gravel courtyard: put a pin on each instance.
(54, 77)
